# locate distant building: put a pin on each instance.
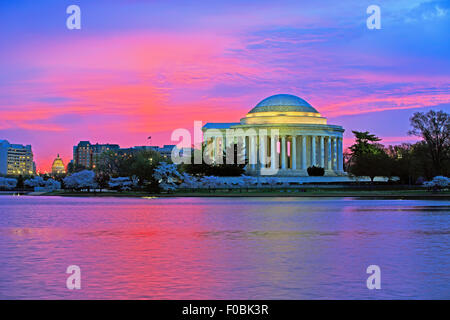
(165, 151)
(16, 159)
(58, 166)
(87, 154)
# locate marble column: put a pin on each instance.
(334, 153)
(294, 152)
(304, 152)
(313, 150)
(220, 149)
(213, 151)
(341, 156)
(329, 155)
(273, 152)
(283, 152)
(244, 145)
(322, 152)
(253, 152)
(207, 150)
(229, 149)
(262, 150)
(217, 147)
(247, 148)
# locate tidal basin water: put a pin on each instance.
(223, 248)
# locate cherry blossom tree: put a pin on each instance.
(7, 183)
(272, 182)
(209, 182)
(120, 183)
(189, 182)
(81, 180)
(37, 181)
(167, 176)
(51, 185)
(248, 181)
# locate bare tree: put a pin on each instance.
(434, 128)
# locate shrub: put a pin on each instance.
(438, 183)
(316, 171)
(441, 182)
(420, 180)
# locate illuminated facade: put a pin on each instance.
(282, 135)
(88, 155)
(58, 166)
(16, 159)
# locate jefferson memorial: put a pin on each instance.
(282, 135)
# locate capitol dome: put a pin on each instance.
(283, 103)
(58, 166)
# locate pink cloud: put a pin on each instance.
(120, 88)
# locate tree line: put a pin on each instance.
(412, 163)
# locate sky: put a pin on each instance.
(145, 68)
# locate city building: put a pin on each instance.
(16, 159)
(58, 166)
(282, 135)
(87, 155)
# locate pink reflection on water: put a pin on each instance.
(220, 248)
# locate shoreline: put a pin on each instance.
(387, 194)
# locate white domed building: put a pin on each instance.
(58, 166)
(282, 135)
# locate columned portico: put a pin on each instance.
(285, 156)
(287, 136)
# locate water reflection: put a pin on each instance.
(223, 248)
